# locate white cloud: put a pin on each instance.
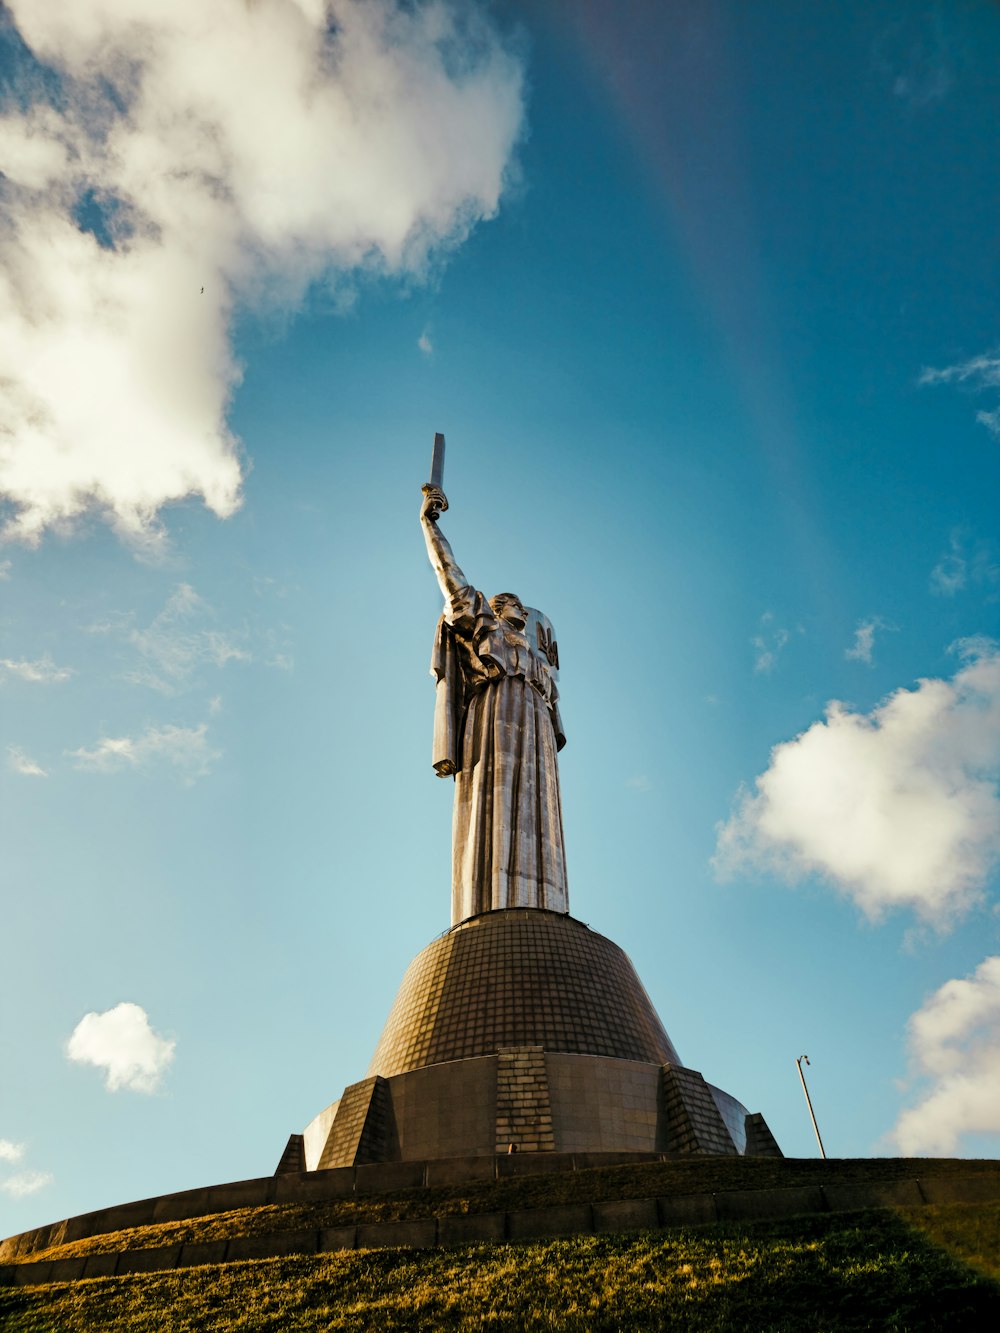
(25, 765)
(864, 640)
(23, 1183)
(897, 807)
(199, 157)
(978, 373)
(768, 643)
(121, 1042)
(11, 1152)
(639, 783)
(425, 344)
(5, 568)
(43, 671)
(184, 749)
(954, 1042)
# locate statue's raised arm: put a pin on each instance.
(496, 731)
(450, 578)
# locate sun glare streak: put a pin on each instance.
(671, 78)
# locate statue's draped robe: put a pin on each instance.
(497, 729)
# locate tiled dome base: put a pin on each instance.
(521, 977)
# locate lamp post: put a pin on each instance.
(812, 1113)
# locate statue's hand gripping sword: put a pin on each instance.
(437, 503)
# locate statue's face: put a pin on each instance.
(514, 614)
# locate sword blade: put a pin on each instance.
(437, 462)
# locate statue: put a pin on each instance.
(496, 731)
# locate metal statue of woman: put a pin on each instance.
(496, 730)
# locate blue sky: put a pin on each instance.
(704, 298)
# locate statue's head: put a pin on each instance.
(508, 606)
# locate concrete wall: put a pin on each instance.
(540, 1101)
(446, 1110)
(601, 1105)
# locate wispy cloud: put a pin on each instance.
(183, 639)
(190, 159)
(982, 372)
(897, 807)
(918, 58)
(768, 643)
(23, 763)
(967, 561)
(121, 1042)
(639, 783)
(24, 1182)
(978, 373)
(265, 585)
(954, 1041)
(951, 572)
(175, 644)
(5, 568)
(43, 671)
(425, 344)
(863, 646)
(183, 750)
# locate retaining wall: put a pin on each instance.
(518, 1225)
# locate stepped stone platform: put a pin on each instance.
(524, 1028)
(498, 1226)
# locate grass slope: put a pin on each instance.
(925, 1268)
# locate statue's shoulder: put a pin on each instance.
(469, 613)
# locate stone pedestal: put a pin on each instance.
(523, 1028)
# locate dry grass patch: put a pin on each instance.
(861, 1271)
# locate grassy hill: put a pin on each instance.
(907, 1268)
